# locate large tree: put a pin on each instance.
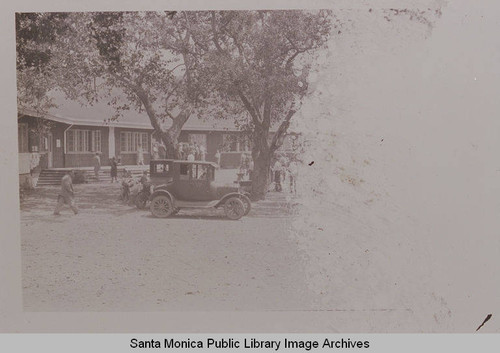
(170, 64)
(132, 60)
(259, 61)
(36, 34)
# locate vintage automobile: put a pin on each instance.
(181, 184)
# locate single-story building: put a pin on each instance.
(72, 134)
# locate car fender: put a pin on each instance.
(162, 192)
(160, 187)
(232, 194)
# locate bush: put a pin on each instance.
(79, 177)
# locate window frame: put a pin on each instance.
(83, 141)
(133, 138)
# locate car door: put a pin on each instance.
(193, 183)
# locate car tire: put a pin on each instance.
(161, 206)
(247, 203)
(234, 208)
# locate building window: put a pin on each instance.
(22, 131)
(131, 140)
(235, 143)
(83, 141)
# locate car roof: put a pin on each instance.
(183, 161)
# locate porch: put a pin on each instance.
(53, 176)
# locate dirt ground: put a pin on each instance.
(114, 257)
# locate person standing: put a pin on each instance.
(292, 174)
(250, 168)
(180, 151)
(156, 154)
(196, 152)
(277, 169)
(140, 155)
(67, 194)
(114, 169)
(203, 153)
(162, 151)
(97, 165)
(126, 184)
(217, 158)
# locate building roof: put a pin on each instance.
(101, 114)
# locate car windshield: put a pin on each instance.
(191, 171)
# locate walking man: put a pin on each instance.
(97, 165)
(67, 194)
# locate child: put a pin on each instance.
(127, 183)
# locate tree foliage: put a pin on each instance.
(259, 61)
(35, 35)
(249, 66)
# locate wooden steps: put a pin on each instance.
(54, 176)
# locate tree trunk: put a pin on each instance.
(260, 176)
(170, 138)
(261, 155)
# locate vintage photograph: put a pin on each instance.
(277, 161)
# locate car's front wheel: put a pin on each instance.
(161, 206)
(234, 208)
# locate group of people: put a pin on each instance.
(131, 185)
(114, 162)
(281, 170)
(246, 167)
(191, 151)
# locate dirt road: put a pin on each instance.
(113, 257)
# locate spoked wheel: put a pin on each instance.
(234, 208)
(161, 206)
(141, 200)
(247, 203)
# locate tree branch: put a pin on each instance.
(124, 80)
(215, 37)
(279, 136)
(143, 97)
(249, 107)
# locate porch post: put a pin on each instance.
(111, 142)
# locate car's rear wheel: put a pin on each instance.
(234, 208)
(247, 203)
(161, 206)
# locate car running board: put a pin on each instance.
(196, 204)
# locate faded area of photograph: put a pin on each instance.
(279, 161)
